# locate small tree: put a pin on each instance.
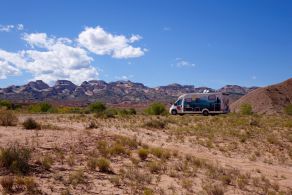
(246, 109)
(156, 109)
(288, 109)
(97, 107)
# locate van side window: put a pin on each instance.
(212, 97)
(178, 102)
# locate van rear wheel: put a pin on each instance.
(173, 112)
(205, 113)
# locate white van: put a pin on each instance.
(201, 103)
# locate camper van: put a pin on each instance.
(201, 103)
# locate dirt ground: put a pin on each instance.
(228, 154)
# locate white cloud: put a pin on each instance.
(180, 63)
(124, 77)
(9, 27)
(51, 58)
(7, 70)
(101, 42)
(20, 27)
(6, 28)
(254, 77)
(59, 60)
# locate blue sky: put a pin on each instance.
(202, 43)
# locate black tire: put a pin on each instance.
(205, 112)
(173, 112)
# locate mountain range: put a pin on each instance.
(65, 92)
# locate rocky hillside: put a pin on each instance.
(267, 100)
(119, 92)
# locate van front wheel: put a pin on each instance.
(205, 113)
(173, 112)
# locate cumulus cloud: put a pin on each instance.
(100, 42)
(7, 69)
(59, 60)
(51, 58)
(9, 27)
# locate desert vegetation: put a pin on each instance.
(110, 150)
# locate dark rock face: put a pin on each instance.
(118, 92)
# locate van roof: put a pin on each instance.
(201, 94)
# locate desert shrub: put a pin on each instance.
(156, 109)
(45, 107)
(8, 118)
(42, 107)
(109, 113)
(92, 163)
(7, 183)
(288, 109)
(47, 162)
(132, 111)
(160, 153)
(97, 107)
(126, 112)
(103, 164)
(103, 148)
(77, 177)
(30, 123)
(155, 124)
(246, 109)
(15, 158)
(6, 104)
(155, 166)
(118, 149)
(143, 153)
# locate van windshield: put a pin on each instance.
(178, 102)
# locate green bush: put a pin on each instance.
(97, 107)
(126, 112)
(42, 107)
(6, 104)
(288, 109)
(8, 118)
(156, 109)
(30, 123)
(246, 109)
(15, 158)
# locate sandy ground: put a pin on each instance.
(70, 145)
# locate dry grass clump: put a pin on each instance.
(92, 163)
(8, 118)
(14, 185)
(214, 189)
(47, 162)
(30, 123)
(143, 153)
(155, 124)
(7, 183)
(77, 177)
(15, 158)
(155, 166)
(103, 165)
(160, 153)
